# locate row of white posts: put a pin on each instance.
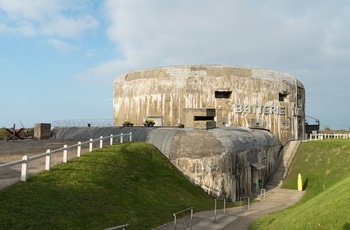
(25, 159)
(321, 136)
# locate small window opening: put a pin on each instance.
(223, 94)
(203, 118)
(282, 97)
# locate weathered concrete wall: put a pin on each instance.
(221, 161)
(244, 97)
(198, 118)
(42, 131)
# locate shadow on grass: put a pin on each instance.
(346, 226)
(305, 184)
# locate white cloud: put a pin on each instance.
(61, 45)
(49, 18)
(102, 73)
(308, 39)
(69, 27)
(21, 29)
(36, 10)
(266, 34)
(207, 32)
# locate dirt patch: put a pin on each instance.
(14, 151)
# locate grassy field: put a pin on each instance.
(325, 169)
(130, 183)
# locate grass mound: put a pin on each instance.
(128, 183)
(325, 168)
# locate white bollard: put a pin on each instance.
(130, 136)
(121, 138)
(101, 142)
(90, 146)
(48, 160)
(79, 149)
(111, 140)
(65, 154)
(24, 171)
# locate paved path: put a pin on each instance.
(239, 218)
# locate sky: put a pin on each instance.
(59, 58)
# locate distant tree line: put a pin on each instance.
(327, 129)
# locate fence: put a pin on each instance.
(83, 123)
(321, 136)
(191, 209)
(25, 159)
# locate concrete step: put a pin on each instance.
(282, 169)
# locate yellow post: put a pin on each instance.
(300, 183)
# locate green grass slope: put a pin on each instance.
(325, 169)
(130, 183)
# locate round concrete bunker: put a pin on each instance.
(207, 96)
(236, 119)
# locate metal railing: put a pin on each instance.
(241, 207)
(191, 208)
(215, 208)
(240, 202)
(124, 226)
(25, 159)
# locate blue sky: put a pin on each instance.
(59, 58)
